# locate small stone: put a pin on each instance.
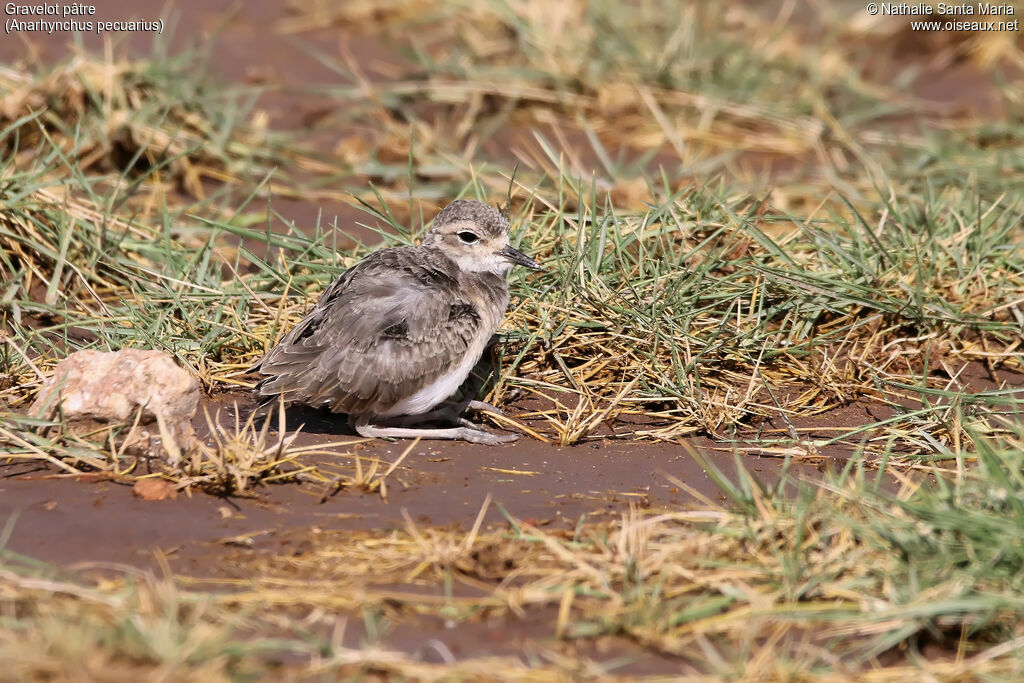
(154, 489)
(96, 389)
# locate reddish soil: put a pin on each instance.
(60, 519)
(63, 520)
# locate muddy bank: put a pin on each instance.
(67, 520)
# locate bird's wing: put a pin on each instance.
(392, 323)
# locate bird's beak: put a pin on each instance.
(515, 256)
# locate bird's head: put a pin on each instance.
(475, 236)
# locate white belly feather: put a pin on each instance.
(441, 388)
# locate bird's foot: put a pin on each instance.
(471, 434)
(500, 438)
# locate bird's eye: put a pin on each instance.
(468, 237)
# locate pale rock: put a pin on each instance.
(97, 390)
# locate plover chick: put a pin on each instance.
(399, 332)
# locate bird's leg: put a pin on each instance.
(454, 409)
(483, 406)
(476, 406)
(449, 412)
(362, 425)
(474, 385)
(446, 413)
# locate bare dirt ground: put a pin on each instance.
(71, 519)
(59, 519)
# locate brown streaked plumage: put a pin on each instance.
(398, 333)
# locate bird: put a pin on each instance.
(397, 334)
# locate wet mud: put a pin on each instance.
(69, 519)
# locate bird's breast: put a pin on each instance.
(489, 294)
